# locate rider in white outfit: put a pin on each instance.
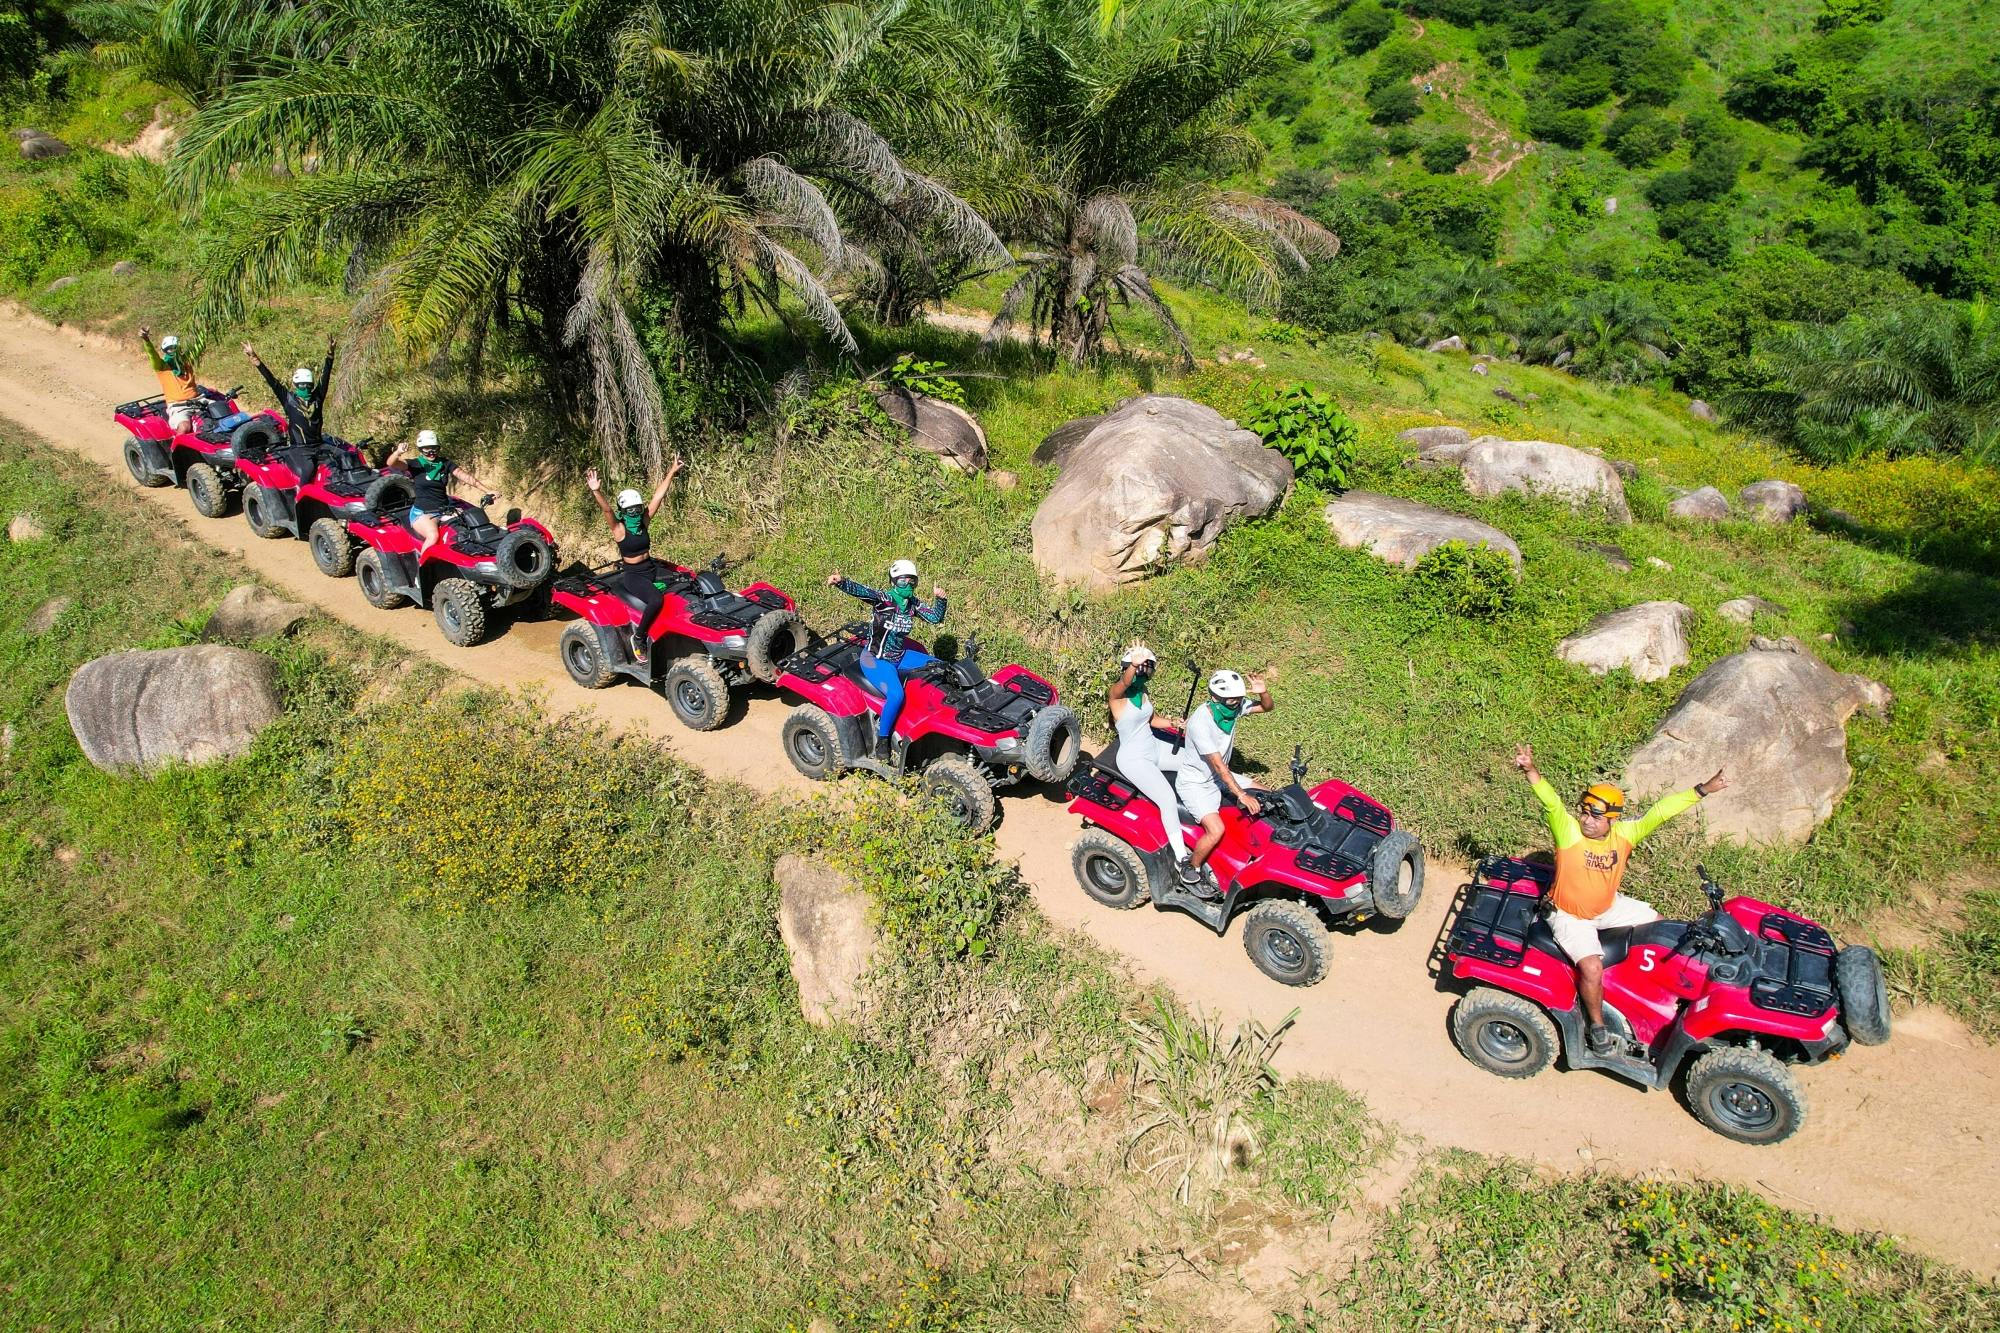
(1141, 758)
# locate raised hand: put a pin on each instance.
(1524, 758)
(674, 467)
(1714, 784)
(834, 580)
(590, 479)
(250, 351)
(937, 593)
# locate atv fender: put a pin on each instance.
(155, 454)
(857, 732)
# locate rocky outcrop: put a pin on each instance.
(1152, 483)
(249, 612)
(1649, 640)
(40, 147)
(1773, 501)
(1706, 505)
(139, 710)
(937, 427)
(1493, 466)
(830, 934)
(1775, 717)
(1056, 445)
(1454, 343)
(1401, 531)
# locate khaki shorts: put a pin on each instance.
(180, 416)
(1578, 935)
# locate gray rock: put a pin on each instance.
(1452, 344)
(1154, 482)
(1610, 204)
(1649, 640)
(1742, 610)
(1701, 411)
(1479, 368)
(1773, 501)
(44, 617)
(60, 283)
(1508, 395)
(1706, 505)
(829, 932)
(250, 612)
(1775, 717)
(24, 134)
(24, 528)
(125, 268)
(1614, 555)
(1658, 563)
(937, 427)
(1003, 480)
(1429, 438)
(195, 705)
(1535, 467)
(1625, 468)
(42, 147)
(1056, 445)
(1401, 531)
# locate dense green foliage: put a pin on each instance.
(1308, 429)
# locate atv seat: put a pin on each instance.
(1617, 942)
(1107, 760)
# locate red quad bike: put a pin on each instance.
(704, 643)
(276, 505)
(476, 566)
(1313, 857)
(203, 461)
(1743, 991)
(966, 733)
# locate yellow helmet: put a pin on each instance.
(1602, 798)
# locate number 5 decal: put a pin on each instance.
(1648, 961)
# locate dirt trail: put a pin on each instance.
(1496, 150)
(1899, 1138)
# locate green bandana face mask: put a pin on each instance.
(633, 522)
(1140, 680)
(1224, 715)
(302, 392)
(902, 597)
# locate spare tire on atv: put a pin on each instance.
(1396, 874)
(256, 437)
(1864, 996)
(525, 558)
(776, 637)
(1054, 740)
(391, 490)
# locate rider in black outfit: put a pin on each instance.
(638, 576)
(305, 411)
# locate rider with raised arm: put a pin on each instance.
(638, 578)
(179, 389)
(1204, 766)
(888, 657)
(304, 406)
(1593, 848)
(430, 474)
(1141, 758)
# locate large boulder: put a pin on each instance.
(830, 933)
(1156, 480)
(1492, 466)
(139, 710)
(1056, 445)
(1773, 501)
(1701, 411)
(1775, 717)
(937, 427)
(1649, 640)
(1401, 531)
(1706, 505)
(1427, 438)
(1454, 343)
(43, 146)
(249, 612)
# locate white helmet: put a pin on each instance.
(1137, 653)
(427, 440)
(1227, 685)
(302, 376)
(903, 569)
(630, 499)
(170, 342)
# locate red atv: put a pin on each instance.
(476, 566)
(1311, 858)
(705, 641)
(276, 505)
(1743, 990)
(964, 731)
(204, 461)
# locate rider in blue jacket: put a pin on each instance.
(889, 657)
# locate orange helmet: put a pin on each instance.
(1602, 798)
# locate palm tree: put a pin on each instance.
(1919, 379)
(1607, 334)
(535, 165)
(1121, 116)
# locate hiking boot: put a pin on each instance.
(881, 754)
(1599, 1039)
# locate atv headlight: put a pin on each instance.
(487, 566)
(1007, 743)
(733, 641)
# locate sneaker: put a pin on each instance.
(1201, 883)
(1599, 1039)
(881, 755)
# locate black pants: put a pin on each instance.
(636, 582)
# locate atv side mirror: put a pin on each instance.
(1709, 886)
(1299, 764)
(972, 646)
(720, 563)
(513, 516)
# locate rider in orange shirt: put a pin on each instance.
(1593, 847)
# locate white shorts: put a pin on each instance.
(180, 416)
(1201, 798)
(1578, 935)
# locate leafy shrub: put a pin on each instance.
(1399, 59)
(937, 885)
(1392, 104)
(925, 377)
(1308, 130)
(1569, 127)
(1454, 212)
(1443, 155)
(1306, 427)
(1200, 1092)
(1586, 85)
(1364, 26)
(1468, 582)
(1401, 141)
(1356, 151)
(1641, 136)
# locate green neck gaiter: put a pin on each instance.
(1225, 717)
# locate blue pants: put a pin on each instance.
(887, 678)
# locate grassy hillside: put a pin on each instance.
(273, 1050)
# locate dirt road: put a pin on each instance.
(1899, 1138)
